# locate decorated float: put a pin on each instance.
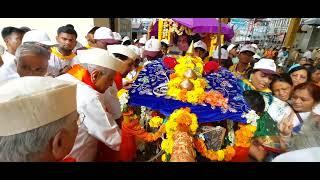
(185, 110)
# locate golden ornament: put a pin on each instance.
(186, 84)
(190, 74)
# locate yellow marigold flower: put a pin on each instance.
(167, 145)
(121, 92)
(155, 122)
(193, 128)
(164, 158)
(220, 154)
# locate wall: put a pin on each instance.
(50, 25)
(123, 26)
(304, 41)
(315, 38)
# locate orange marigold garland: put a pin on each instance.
(244, 135)
(223, 154)
(131, 125)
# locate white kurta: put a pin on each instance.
(8, 71)
(98, 124)
(302, 155)
(7, 58)
(56, 64)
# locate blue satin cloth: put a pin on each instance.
(150, 89)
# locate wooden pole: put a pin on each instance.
(292, 32)
(219, 41)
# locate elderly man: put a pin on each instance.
(62, 57)
(128, 56)
(38, 132)
(94, 76)
(31, 60)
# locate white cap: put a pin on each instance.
(230, 47)
(254, 46)
(30, 102)
(153, 45)
(224, 54)
(37, 36)
(143, 40)
(200, 44)
(122, 49)
(266, 65)
(100, 57)
(135, 49)
(165, 41)
(247, 48)
(116, 36)
(103, 33)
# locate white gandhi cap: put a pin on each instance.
(100, 57)
(37, 36)
(122, 49)
(28, 103)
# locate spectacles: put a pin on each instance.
(82, 116)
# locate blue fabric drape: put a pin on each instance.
(150, 90)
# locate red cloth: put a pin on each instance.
(105, 154)
(69, 159)
(128, 146)
(118, 80)
(242, 154)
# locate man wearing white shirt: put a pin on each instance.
(12, 36)
(30, 60)
(62, 57)
(93, 77)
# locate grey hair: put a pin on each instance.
(31, 48)
(29, 145)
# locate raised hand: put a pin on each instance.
(286, 125)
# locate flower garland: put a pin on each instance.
(223, 154)
(123, 97)
(244, 135)
(155, 122)
(160, 29)
(243, 138)
(251, 117)
(180, 120)
(132, 126)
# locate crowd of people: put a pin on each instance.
(48, 89)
